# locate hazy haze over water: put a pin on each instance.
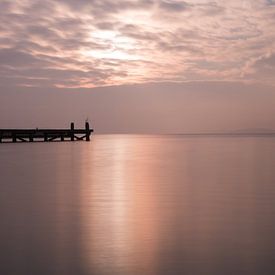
(138, 204)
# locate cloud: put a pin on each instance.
(106, 42)
(262, 67)
(11, 57)
(267, 62)
(270, 2)
(173, 6)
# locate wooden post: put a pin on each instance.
(72, 131)
(0, 137)
(62, 137)
(31, 137)
(13, 137)
(87, 128)
(45, 137)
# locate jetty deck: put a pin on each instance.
(31, 135)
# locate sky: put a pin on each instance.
(143, 66)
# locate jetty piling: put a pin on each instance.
(87, 128)
(72, 131)
(46, 135)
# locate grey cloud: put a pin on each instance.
(181, 41)
(42, 31)
(265, 67)
(49, 77)
(70, 40)
(216, 66)
(5, 6)
(137, 32)
(14, 57)
(106, 7)
(268, 61)
(209, 9)
(40, 10)
(42, 69)
(105, 25)
(65, 23)
(173, 6)
(179, 47)
(30, 46)
(270, 2)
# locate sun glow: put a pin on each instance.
(110, 54)
(112, 45)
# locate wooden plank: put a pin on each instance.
(80, 138)
(21, 139)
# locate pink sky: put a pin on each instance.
(70, 45)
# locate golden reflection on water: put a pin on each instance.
(116, 238)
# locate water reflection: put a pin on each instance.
(116, 241)
(139, 205)
(178, 207)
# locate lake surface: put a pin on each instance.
(134, 204)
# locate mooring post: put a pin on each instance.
(72, 131)
(87, 128)
(13, 137)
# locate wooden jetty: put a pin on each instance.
(31, 135)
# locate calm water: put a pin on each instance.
(138, 205)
